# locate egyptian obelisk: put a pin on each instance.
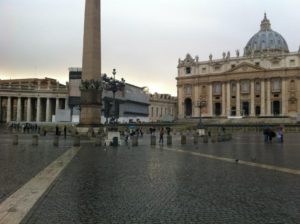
(90, 105)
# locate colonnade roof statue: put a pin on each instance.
(266, 40)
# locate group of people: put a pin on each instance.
(269, 134)
(139, 132)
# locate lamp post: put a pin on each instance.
(113, 85)
(201, 103)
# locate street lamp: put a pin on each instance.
(113, 85)
(201, 103)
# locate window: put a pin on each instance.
(292, 62)
(233, 66)
(257, 86)
(156, 111)
(293, 85)
(245, 86)
(203, 69)
(233, 89)
(217, 89)
(188, 70)
(257, 64)
(188, 90)
(152, 111)
(276, 85)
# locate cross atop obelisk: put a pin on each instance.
(90, 111)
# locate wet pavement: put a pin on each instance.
(18, 164)
(153, 185)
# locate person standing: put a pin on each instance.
(65, 131)
(161, 136)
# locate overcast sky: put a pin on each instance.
(142, 39)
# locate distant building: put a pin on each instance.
(31, 100)
(163, 107)
(131, 103)
(264, 82)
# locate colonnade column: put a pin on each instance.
(38, 110)
(56, 105)
(66, 103)
(224, 99)
(28, 109)
(283, 94)
(252, 108)
(48, 110)
(262, 98)
(19, 110)
(238, 103)
(268, 98)
(8, 113)
(228, 99)
(210, 100)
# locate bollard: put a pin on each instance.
(98, 141)
(35, 140)
(153, 140)
(135, 141)
(205, 139)
(115, 142)
(219, 138)
(196, 139)
(169, 140)
(183, 139)
(15, 139)
(56, 141)
(76, 141)
(213, 139)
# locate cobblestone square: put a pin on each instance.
(172, 184)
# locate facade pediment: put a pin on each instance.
(187, 62)
(244, 68)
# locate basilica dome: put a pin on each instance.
(266, 40)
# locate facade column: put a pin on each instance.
(262, 98)
(283, 94)
(268, 97)
(223, 99)
(238, 103)
(19, 111)
(8, 112)
(252, 109)
(210, 100)
(180, 104)
(48, 110)
(38, 110)
(196, 109)
(228, 99)
(28, 109)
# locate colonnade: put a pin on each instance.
(30, 109)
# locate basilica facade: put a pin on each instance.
(263, 82)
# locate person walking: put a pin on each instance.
(161, 136)
(280, 135)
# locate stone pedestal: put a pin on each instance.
(76, 141)
(196, 139)
(183, 139)
(153, 140)
(169, 140)
(135, 141)
(35, 140)
(56, 141)
(15, 139)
